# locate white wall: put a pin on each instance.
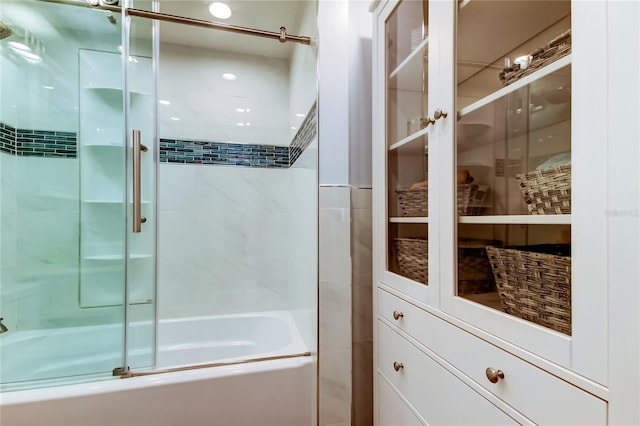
(303, 86)
(205, 103)
(333, 97)
(345, 92)
(360, 33)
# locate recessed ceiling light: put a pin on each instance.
(248, 110)
(229, 76)
(299, 115)
(293, 128)
(175, 118)
(248, 124)
(240, 124)
(240, 109)
(48, 87)
(163, 102)
(220, 10)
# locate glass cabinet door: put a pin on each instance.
(406, 133)
(513, 152)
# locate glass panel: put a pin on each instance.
(62, 192)
(237, 189)
(514, 158)
(140, 106)
(407, 131)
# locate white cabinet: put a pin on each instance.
(492, 206)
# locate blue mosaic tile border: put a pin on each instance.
(7, 139)
(233, 154)
(44, 143)
(38, 143)
(304, 136)
(220, 153)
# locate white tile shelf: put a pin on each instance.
(558, 219)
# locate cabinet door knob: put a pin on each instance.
(397, 315)
(438, 114)
(494, 375)
(397, 366)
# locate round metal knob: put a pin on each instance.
(397, 366)
(494, 375)
(397, 315)
(438, 114)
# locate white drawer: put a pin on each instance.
(392, 411)
(540, 396)
(429, 388)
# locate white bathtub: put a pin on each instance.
(272, 392)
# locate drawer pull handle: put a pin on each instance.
(397, 315)
(494, 375)
(397, 366)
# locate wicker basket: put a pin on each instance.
(474, 270)
(470, 198)
(413, 258)
(534, 283)
(547, 191)
(554, 50)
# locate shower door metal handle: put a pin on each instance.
(138, 148)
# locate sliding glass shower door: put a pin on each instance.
(71, 95)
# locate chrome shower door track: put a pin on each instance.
(281, 35)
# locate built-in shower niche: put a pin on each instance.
(103, 193)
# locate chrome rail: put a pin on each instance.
(138, 148)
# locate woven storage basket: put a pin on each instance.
(474, 270)
(415, 202)
(413, 258)
(547, 191)
(554, 50)
(534, 283)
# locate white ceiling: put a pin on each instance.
(268, 15)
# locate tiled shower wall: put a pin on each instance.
(335, 306)
(346, 330)
(361, 309)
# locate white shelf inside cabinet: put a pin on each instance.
(542, 72)
(408, 75)
(396, 219)
(411, 142)
(552, 219)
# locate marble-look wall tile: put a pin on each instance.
(335, 387)
(361, 198)
(335, 255)
(335, 305)
(335, 316)
(363, 383)
(335, 197)
(223, 240)
(362, 309)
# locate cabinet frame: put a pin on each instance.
(583, 357)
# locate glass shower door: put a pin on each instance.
(141, 182)
(62, 194)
